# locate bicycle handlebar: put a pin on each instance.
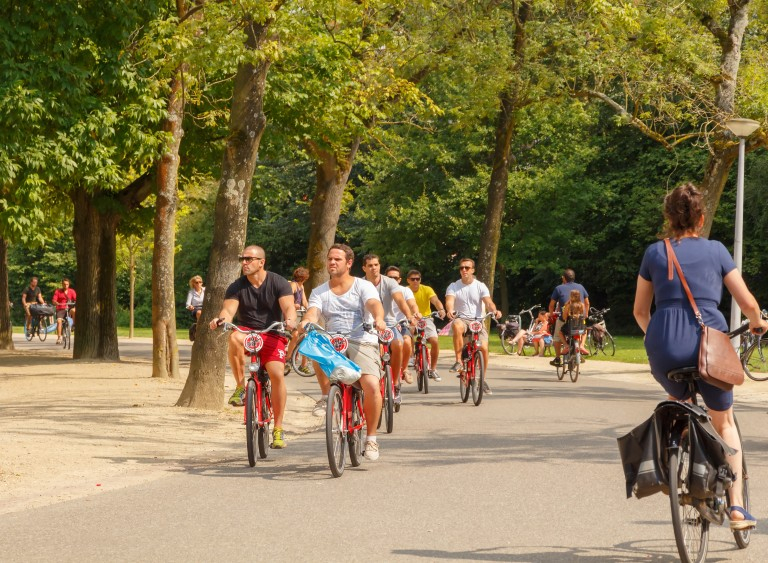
(530, 310)
(278, 327)
(458, 315)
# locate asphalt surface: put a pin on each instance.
(532, 474)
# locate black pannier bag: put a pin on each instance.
(38, 310)
(510, 327)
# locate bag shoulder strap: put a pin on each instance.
(672, 259)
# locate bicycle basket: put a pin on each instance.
(38, 310)
(576, 325)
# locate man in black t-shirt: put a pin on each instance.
(30, 296)
(259, 298)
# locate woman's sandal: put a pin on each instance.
(748, 522)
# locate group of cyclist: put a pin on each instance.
(63, 300)
(346, 304)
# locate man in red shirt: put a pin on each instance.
(61, 296)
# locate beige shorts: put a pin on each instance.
(467, 334)
(430, 331)
(558, 327)
(366, 356)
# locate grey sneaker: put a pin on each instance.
(434, 375)
(371, 450)
(320, 407)
(398, 399)
(487, 388)
(456, 366)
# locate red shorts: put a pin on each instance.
(273, 349)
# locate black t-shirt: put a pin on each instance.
(31, 294)
(259, 306)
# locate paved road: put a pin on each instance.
(531, 475)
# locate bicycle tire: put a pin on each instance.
(608, 344)
(479, 380)
(265, 436)
(66, 335)
(417, 368)
(560, 370)
(296, 359)
(506, 343)
(756, 361)
(691, 530)
(425, 368)
(573, 368)
(590, 343)
(389, 397)
(251, 421)
(355, 437)
(742, 537)
(42, 330)
(464, 384)
(335, 431)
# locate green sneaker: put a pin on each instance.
(278, 442)
(238, 397)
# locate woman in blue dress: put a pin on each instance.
(672, 332)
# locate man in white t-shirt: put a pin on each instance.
(344, 301)
(411, 313)
(464, 299)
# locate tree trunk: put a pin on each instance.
(331, 173)
(503, 290)
(511, 100)
(6, 337)
(205, 384)
(132, 291)
(97, 215)
(165, 350)
(713, 183)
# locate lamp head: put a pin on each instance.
(741, 127)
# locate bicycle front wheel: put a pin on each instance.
(478, 382)
(42, 330)
(355, 437)
(756, 361)
(296, 358)
(608, 347)
(251, 421)
(742, 537)
(573, 367)
(560, 369)
(335, 430)
(66, 335)
(424, 371)
(389, 401)
(265, 436)
(464, 384)
(591, 344)
(691, 530)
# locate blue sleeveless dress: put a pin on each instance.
(672, 338)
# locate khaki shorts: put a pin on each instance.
(430, 331)
(558, 326)
(366, 356)
(468, 334)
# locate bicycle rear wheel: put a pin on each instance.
(609, 347)
(573, 367)
(560, 369)
(591, 344)
(742, 537)
(355, 437)
(478, 382)
(691, 530)
(335, 431)
(756, 360)
(251, 421)
(265, 436)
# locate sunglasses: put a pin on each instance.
(248, 259)
(465, 268)
(414, 279)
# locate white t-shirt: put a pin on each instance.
(386, 289)
(407, 295)
(345, 312)
(468, 298)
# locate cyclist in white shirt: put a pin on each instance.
(344, 301)
(412, 312)
(465, 298)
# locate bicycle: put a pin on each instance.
(257, 411)
(344, 415)
(388, 406)
(66, 328)
(598, 337)
(753, 351)
(38, 322)
(297, 359)
(421, 354)
(472, 374)
(691, 516)
(571, 358)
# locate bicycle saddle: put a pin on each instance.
(683, 374)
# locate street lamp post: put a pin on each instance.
(742, 128)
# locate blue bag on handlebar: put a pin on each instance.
(334, 364)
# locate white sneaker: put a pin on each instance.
(320, 407)
(407, 376)
(434, 375)
(371, 450)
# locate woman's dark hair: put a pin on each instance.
(683, 208)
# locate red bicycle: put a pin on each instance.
(388, 406)
(472, 375)
(421, 354)
(257, 411)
